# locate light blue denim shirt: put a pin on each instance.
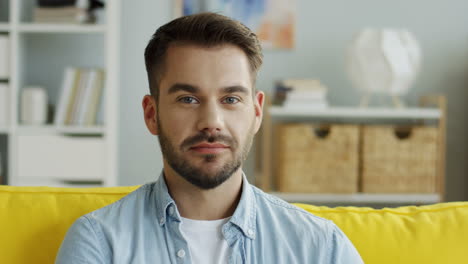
(144, 227)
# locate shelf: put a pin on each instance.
(360, 198)
(358, 113)
(60, 28)
(4, 130)
(40, 51)
(52, 129)
(57, 183)
(4, 27)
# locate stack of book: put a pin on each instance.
(61, 11)
(4, 57)
(301, 94)
(80, 99)
(4, 104)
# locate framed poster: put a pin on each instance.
(272, 20)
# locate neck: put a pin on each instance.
(199, 204)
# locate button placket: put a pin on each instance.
(171, 211)
(181, 253)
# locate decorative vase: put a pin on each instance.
(384, 61)
(34, 106)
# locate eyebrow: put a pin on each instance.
(182, 87)
(236, 89)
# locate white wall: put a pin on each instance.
(139, 155)
(323, 31)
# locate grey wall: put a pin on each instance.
(323, 30)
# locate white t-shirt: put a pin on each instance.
(205, 240)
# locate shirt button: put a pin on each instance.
(250, 232)
(171, 210)
(161, 221)
(181, 253)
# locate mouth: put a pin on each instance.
(207, 148)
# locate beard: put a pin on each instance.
(196, 175)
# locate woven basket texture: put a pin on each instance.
(312, 158)
(396, 160)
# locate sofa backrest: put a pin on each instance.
(412, 234)
(34, 220)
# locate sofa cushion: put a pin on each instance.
(412, 234)
(34, 220)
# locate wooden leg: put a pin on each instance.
(441, 102)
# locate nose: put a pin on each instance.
(211, 118)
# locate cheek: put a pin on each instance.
(176, 126)
(240, 124)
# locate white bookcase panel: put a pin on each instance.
(57, 28)
(62, 155)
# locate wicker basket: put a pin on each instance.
(399, 160)
(317, 159)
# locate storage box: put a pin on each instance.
(399, 160)
(317, 159)
(57, 157)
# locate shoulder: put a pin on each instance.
(130, 204)
(296, 225)
(288, 214)
(90, 237)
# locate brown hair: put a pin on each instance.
(204, 29)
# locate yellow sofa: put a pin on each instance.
(34, 220)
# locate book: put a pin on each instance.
(70, 75)
(86, 96)
(301, 92)
(79, 96)
(305, 105)
(304, 85)
(4, 104)
(293, 95)
(95, 99)
(71, 103)
(59, 15)
(4, 55)
(100, 111)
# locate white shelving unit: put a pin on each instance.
(39, 55)
(276, 114)
(359, 113)
(52, 130)
(360, 198)
(54, 28)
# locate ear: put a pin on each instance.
(149, 114)
(258, 105)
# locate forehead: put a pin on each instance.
(206, 67)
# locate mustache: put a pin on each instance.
(204, 136)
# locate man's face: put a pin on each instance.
(206, 115)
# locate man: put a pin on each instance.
(206, 111)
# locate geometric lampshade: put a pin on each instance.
(383, 61)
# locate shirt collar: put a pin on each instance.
(163, 200)
(244, 216)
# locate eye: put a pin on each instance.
(188, 100)
(231, 100)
